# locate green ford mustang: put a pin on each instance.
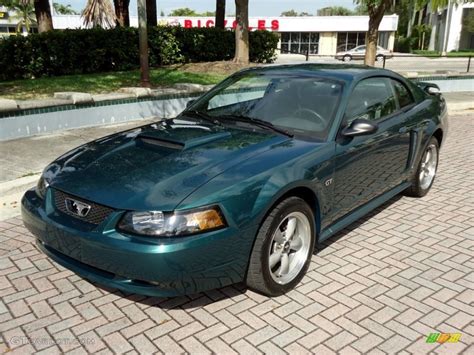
(242, 184)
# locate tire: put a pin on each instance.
(420, 187)
(379, 58)
(271, 245)
(347, 58)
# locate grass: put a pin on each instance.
(427, 53)
(99, 83)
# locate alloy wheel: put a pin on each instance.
(289, 247)
(428, 166)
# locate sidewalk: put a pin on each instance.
(383, 285)
(23, 159)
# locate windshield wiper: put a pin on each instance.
(204, 116)
(258, 122)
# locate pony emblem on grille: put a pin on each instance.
(78, 208)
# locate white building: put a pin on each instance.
(454, 36)
(320, 34)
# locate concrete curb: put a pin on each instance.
(18, 185)
(11, 193)
(82, 98)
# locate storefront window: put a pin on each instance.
(298, 42)
(348, 40)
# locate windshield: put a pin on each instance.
(300, 105)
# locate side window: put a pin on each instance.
(403, 94)
(372, 99)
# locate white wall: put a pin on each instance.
(285, 24)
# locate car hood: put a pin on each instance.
(154, 167)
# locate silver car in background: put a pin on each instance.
(359, 53)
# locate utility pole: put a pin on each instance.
(143, 44)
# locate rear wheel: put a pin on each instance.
(426, 172)
(283, 248)
(347, 58)
(379, 58)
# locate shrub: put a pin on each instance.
(98, 50)
(262, 46)
(404, 44)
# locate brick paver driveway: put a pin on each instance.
(382, 285)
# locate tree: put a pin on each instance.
(468, 22)
(293, 13)
(184, 11)
(376, 10)
(220, 13)
(24, 13)
(43, 15)
(42, 12)
(64, 9)
(99, 13)
(361, 10)
(335, 11)
(151, 14)
(121, 13)
(289, 13)
(241, 31)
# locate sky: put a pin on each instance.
(256, 7)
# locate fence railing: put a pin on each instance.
(307, 55)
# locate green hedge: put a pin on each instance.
(97, 50)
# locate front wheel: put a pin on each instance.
(379, 58)
(347, 58)
(424, 177)
(283, 248)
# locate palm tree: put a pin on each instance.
(151, 15)
(241, 31)
(24, 13)
(220, 13)
(64, 9)
(99, 13)
(42, 12)
(121, 12)
(43, 15)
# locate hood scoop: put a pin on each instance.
(154, 140)
(150, 141)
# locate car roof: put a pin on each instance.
(344, 72)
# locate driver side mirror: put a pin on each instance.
(360, 127)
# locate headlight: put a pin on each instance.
(169, 224)
(42, 186)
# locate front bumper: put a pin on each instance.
(149, 266)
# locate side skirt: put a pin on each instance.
(360, 212)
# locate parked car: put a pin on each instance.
(359, 53)
(242, 184)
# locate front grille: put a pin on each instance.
(97, 214)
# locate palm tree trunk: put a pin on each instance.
(220, 13)
(151, 15)
(241, 31)
(375, 17)
(411, 20)
(121, 12)
(43, 15)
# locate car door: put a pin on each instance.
(368, 165)
(360, 52)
